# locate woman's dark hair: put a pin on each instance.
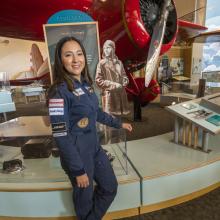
(60, 74)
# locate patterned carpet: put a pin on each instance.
(206, 207)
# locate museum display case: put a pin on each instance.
(35, 147)
(196, 120)
(6, 102)
(4, 81)
(189, 70)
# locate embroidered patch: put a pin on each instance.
(56, 107)
(59, 127)
(56, 111)
(78, 92)
(59, 134)
(90, 89)
(56, 103)
(83, 122)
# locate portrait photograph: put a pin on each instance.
(86, 32)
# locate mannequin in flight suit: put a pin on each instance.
(74, 110)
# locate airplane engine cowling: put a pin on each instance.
(130, 24)
(141, 17)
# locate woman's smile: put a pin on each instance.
(73, 58)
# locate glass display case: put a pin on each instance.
(212, 82)
(115, 143)
(26, 138)
(196, 120)
(4, 81)
(6, 102)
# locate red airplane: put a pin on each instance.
(136, 26)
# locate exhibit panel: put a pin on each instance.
(196, 120)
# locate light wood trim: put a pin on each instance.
(174, 172)
(34, 189)
(184, 132)
(109, 216)
(133, 180)
(37, 187)
(59, 186)
(190, 134)
(179, 200)
(196, 130)
(121, 214)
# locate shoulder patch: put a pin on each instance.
(83, 123)
(56, 107)
(56, 103)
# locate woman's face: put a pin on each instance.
(73, 58)
(107, 51)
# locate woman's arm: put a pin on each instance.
(111, 121)
(107, 119)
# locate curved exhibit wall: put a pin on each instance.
(59, 203)
(166, 174)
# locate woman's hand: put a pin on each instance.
(127, 126)
(82, 181)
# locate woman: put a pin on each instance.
(112, 79)
(74, 110)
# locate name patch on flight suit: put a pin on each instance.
(78, 92)
(83, 122)
(56, 107)
(59, 129)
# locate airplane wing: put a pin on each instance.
(187, 30)
(206, 37)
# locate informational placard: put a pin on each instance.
(86, 32)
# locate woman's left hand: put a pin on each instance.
(127, 126)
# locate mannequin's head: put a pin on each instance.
(109, 49)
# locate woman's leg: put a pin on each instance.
(83, 197)
(83, 201)
(106, 188)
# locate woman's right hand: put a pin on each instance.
(82, 181)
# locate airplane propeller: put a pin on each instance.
(156, 41)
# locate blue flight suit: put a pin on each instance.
(73, 118)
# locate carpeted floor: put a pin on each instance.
(206, 207)
(155, 121)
